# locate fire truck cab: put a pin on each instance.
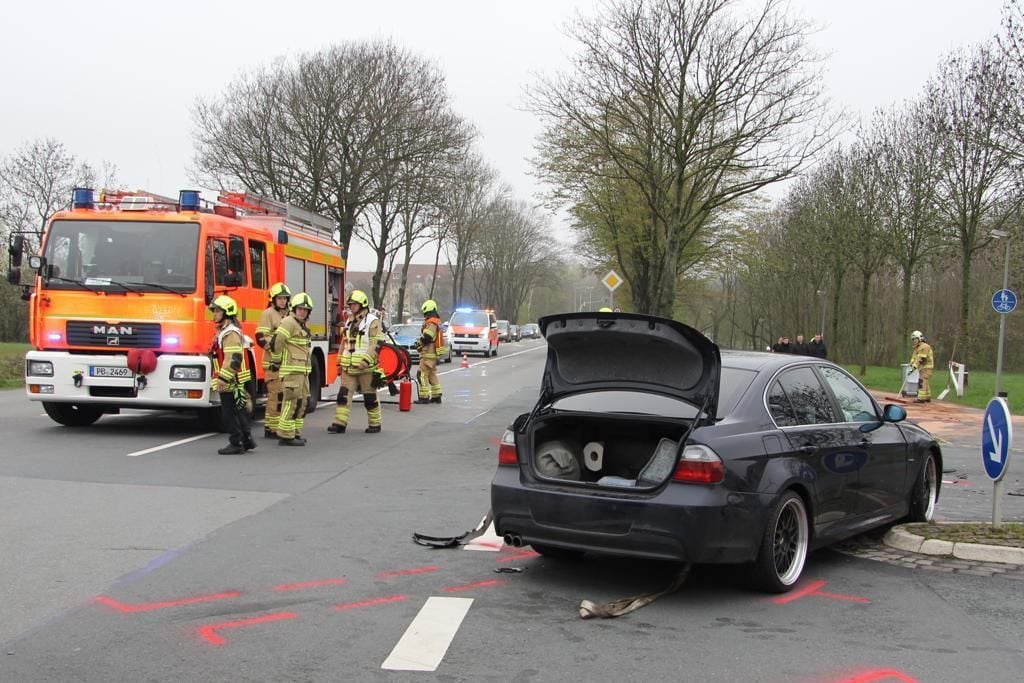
(118, 309)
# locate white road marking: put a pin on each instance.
(425, 642)
(488, 541)
(172, 444)
(493, 360)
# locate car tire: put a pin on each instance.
(925, 492)
(784, 545)
(72, 414)
(557, 553)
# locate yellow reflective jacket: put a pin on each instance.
(434, 348)
(230, 366)
(269, 321)
(922, 357)
(291, 345)
(359, 343)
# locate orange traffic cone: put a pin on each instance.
(465, 361)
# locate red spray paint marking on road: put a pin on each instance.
(408, 572)
(150, 606)
(471, 586)
(210, 635)
(517, 554)
(309, 584)
(812, 589)
(880, 675)
(369, 603)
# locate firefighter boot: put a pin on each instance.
(232, 449)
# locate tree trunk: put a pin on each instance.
(865, 296)
(905, 304)
(965, 308)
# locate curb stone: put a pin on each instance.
(901, 539)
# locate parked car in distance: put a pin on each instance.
(678, 451)
(530, 331)
(406, 336)
(513, 333)
(503, 329)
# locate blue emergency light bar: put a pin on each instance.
(82, 198)
(188, 200)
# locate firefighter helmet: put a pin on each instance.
(428, 305)
(226, 304)
(279, 289)
(916, 334)
(302, 300)
(359, 297)
(604, 309)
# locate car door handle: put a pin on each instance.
(864, 443)
(808, 450)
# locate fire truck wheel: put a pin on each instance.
(316, 380)
(72, 414)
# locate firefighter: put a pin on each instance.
(269, 320)
(357, 365)
(923, 360)
(291, 345)
(231, 375)
(431, 346)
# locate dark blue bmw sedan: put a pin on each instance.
(647, 441)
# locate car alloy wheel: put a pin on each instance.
(784, 545)
(790, 540)
(925, 492)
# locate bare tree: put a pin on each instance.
(466, 199)
(692, 106)
(514, 253)
(36, 180)
(976, 190)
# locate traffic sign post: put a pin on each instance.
(1003, 301)
(612, 282)
(996, 438)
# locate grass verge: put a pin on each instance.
(12, 365)
(1008, 534)
(981, 385)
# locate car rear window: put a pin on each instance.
(735, 382)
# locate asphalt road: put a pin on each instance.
(296, 565)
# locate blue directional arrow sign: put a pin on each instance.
(996, 435)
(1004, 301)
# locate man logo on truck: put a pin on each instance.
(120, 330)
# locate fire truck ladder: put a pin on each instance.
(295, 217)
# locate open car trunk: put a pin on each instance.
(605, 451)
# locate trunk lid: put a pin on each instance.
(629, 352)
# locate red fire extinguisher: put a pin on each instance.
(405, 395)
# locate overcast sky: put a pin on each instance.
(116, 81)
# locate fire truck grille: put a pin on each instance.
(108, 336)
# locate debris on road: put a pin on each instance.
(617, 608)
(438, 542)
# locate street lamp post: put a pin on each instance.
(1000, 234)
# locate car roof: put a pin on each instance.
(763, 360)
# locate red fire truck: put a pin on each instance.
(123, 276)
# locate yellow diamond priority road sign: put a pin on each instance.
(612, 280)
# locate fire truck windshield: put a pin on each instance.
(122, 255)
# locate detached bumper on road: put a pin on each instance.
(682, 523)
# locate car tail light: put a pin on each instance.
(699, 465)
(507, 454)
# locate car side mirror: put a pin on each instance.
(894, 413)
(36, 263)
(15, 250)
